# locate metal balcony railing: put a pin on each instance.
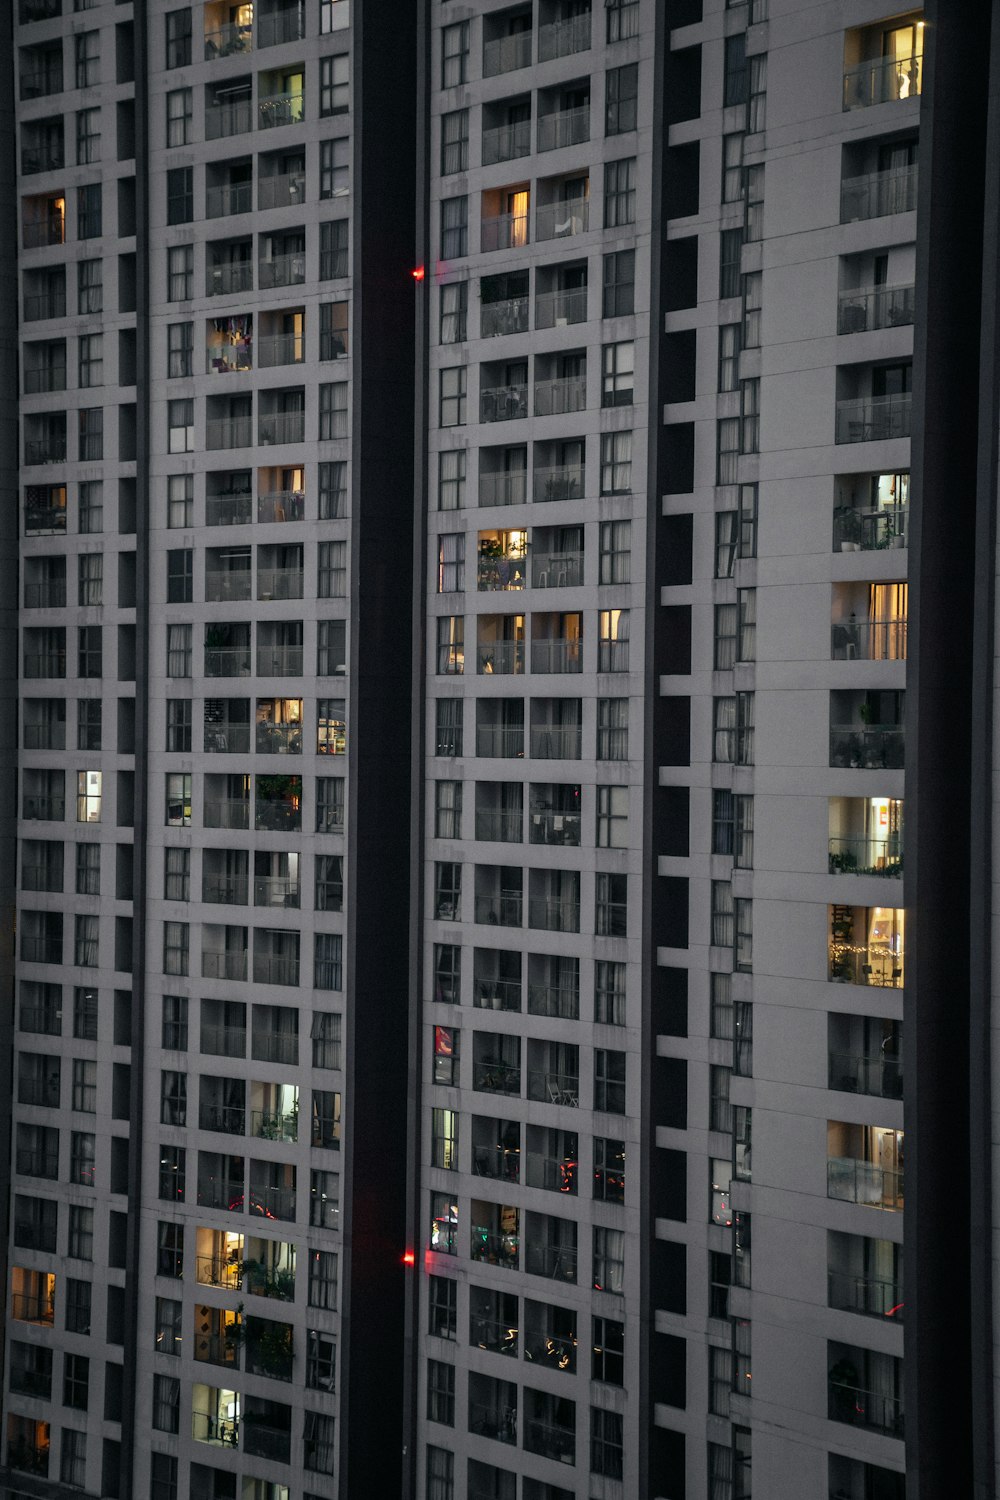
(869, 747)
(874, 195)
(852, 1181)
(494, 1076)
(223, 965)
(869, 530)
(866, 855)
(554, 1088)
(565, 127)
(279, 661)
(559, 396)
(286, 25)
(43, 809)
(865, 1294)
(45, 450)
(501, 574)
(500, 741)
(564, 37)
(868, 640)
(44, 305)
(273, 1125)
(556, 221)
(226, 812)
(222, 359)
(281, 505)
(275, 890)
(279, 583)
(229, 510)
(496, 826)
(225, 890)
(280, 349)
(228, 1119)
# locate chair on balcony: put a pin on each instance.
(866, 970)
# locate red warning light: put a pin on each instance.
(408, 1258)
(417, 273)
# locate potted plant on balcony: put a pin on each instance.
(848, 524)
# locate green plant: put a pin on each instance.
(865, 712)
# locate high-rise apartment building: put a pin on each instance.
(456, 462)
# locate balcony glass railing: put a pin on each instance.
(224, 890)
(227, 812)
(228, 199)
(550, 570)
(227, 661)
(558, 1262)
(223, 586)
(280, 109)
(496, 994)
(503, 232)
(882, 80)
(560, 308)
(565, 127)
(493, 825)
(868, 640)
(223, 1041)
(494, 1076)
(275, 890)
(872, 1409)
(234, 118)
(273, 1125)
(557, 221)
(864, 855)
(503, 403)
(564, 37)
(282, 427)
(554, 656)
(869, 747)
(281, 190)
(550, 914)
(228, 510)
(221, 359)
(506, 142)
(554, 1088)
(559, 396)
(854, 1073)
(281, 505)
(223, 965)
(500, 741)
(228, 432)
(277, 26)
(504, 910)
(508, 316)
(871, 419)
(875, 307)
(231, 276)
(283, 270)
(864, 1294)
(548, 827)
(869, 530)
(874, 195)
(558, 482)
(561, 1002)
(852, 1181)
(504, 54)
(501, 656)
(504, 489)
(226, 41)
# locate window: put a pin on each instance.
(447, 973)
(613, 640)
(329, 895)
(179, 113)
(88, 869)
(619, 193)
(451, 644)
(448, 726)
(180, 273)
(323, 1276)
(606, 1442)
(82, 1153)
(163, 1476)
(321, 1361)
(729, 356)
(178, 650)
(622, 19)
(325, 1035)
(90, 506)
(442, 1307)
(178, 38)
(754, 193)
(440, 1392)
(758, 92)
(174, 1025)
(173, 1162)
(180, 350)
(84, 1097)
(180, 426)
(178, 799)
(167, 1326)
(328, 957)
(732, 827)
(451, 479)
(454, 142)
(727, 450)
(734, 89)
(334, 84)
(724, 650)
(454, 54)
(609, 993)
(609, 1170)
(609, 1260)
(173, 1098)
(77, 1300)
(734, 724)
(615, 539)
(87, 58)
(178, 725)
(609, 1081)
(91, 434)
(753, 289)
(618, 374)
(88, 211)
(446, 1051)
(730, 256)
(333, 490)
(444, 1224)
(330, 804)
(80, 1243)
(324, 1199)
(333, 15)
(331, 647)
(746, 605)
(89, 651)
(619, 285)
(448, 809)
(451, 563)
(621, 96)
(616, 463)
(176, 942)
(720, 1380)
(180, 507)
(612, 729)
(732, 167)
(440, 1474)
(612, 817)
(334, 246)
(166, 1403)
(333, 410)
(319, 1448)
(177, 874)
(331, 577)
(454, 304)
(73, 1451)
(90, 286)
(750, 416)
(180, 195)
(180, 575)
(454, 227)
(89, 786)
(335, 168)
(88, 136)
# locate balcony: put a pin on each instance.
(557, 309)
(558, 482)
(865, 854)
(506, 54)
(227, 278)
(494, 1075)
(282, 427)
(865, 1389)
(227, 39)
(869, 419)
(509, 315)
(865, 1276)
(39, 306)
(282, 24)
(502, 561)
(873, 1180)
(281, 109)
(223, 965)
(229, 346)
(281, 349)
(880, 1076)
(503, 403)
(226, 199)
(228, 432)
(866, 946)
(281, 189)
(48, 449)
(497, 904)
(563, 37)
(561, 1002)
(868, 640)
(872, 512)
(883, 80)
(871, 308)
(548, 826)
(556, 654)
(506, 142)
(562, 219)
(554, 914)
(229, 116)
(873, 747)
(561, 395)
(875, 195)
(564, 127)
